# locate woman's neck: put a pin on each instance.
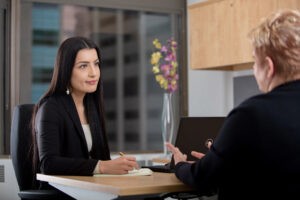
(78, 100)
(277, 80)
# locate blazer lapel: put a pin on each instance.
(70, 107)
(100, 148)
(95, 130)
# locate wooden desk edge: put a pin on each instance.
(73, 181)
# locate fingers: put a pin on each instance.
(177, 154)
(129, 163)
(120, 165)
(170, 147)
(197, 154)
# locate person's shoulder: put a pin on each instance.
(51, 107)
(256, 100)
(251, 104)
(51, 102)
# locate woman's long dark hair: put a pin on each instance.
(60, 81)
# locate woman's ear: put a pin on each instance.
(269, 67)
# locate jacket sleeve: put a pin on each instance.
(224, 156)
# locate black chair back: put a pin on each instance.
(21, 146)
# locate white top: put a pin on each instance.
(88, 136)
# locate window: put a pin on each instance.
(124, 33)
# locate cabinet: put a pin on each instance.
(218, 31)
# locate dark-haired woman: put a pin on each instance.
(68, 122)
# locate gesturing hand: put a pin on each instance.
(199, 155)
(178, 156)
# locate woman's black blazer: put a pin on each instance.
(61, 142)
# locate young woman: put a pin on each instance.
(68, 122)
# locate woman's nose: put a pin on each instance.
(92, 70)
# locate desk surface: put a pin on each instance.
(121, 186)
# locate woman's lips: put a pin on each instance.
(92, 82)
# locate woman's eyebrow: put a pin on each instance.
(85, 62)
(81, 62)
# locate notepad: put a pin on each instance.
(135, 172)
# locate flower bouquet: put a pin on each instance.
(164, 64)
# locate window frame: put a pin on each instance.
(5, 77)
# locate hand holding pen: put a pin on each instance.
(120, 165)
(134, 169)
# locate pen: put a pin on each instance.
(121, 154)
(134, 169)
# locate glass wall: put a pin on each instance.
(133, 99)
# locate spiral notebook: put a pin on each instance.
(192, 134)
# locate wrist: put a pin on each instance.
(97, 169)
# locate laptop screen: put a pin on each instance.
(193, 133)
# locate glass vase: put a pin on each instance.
(167, 122)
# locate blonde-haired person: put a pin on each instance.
(257, 152)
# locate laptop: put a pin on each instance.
(192, 135)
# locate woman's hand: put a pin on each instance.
(119, 165)
(199, 155)
(178, 156)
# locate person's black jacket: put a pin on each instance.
(257, 152)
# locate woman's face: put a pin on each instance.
(260, 73)
(86, 72)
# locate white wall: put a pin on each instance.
(210, 93)
(9, 188)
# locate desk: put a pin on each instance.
(89, 187)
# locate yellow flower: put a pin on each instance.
(155, 69)
(155, 57)
(174, 64)
(161, 80)
(172, 72)
(156, 43)
(173, 82)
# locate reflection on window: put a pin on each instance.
(125, 40)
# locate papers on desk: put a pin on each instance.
(135, 172)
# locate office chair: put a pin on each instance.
(20, 144)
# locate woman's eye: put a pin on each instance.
(97, 64)
(82, 66)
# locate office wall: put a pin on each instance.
(8, 182)
(211, 93)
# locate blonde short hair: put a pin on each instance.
(278, 37)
